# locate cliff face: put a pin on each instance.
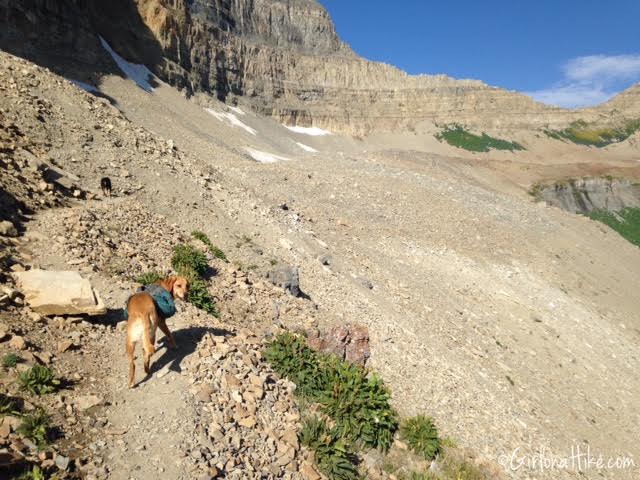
(283, 56)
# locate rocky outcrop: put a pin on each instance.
(584, 195)
(348, 342)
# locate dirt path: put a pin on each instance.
(149, 428)
(211, 407)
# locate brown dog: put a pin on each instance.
(144, 319)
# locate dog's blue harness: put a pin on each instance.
(165, 305)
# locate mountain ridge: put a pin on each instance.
(283, 58)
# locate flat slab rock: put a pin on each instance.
(59, 293)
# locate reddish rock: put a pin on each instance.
(348, 342)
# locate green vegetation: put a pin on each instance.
(357, 405)
(582, 133)
(421, 435)
(39, 380)
(331, 453)
(215, 251)
(10, 360)
(192, 264)
(149, 278)
(457, 136)
(187, 258)
(34, 474)
(8, 406)
(626, 222)
(200, 297)
(35, 426)
(351, 411)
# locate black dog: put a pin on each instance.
(105, 184)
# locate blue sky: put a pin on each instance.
(565, 52)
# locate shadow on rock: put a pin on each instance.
(187, 340)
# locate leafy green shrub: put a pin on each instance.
(215, 251)
(457, 136)
(35, 426)
(148, 278)
(626, 222)
(39, 380)
(291, 358)
(187, 258)
(332, 454)
(359, 405)
(200, 297)
(10, 360)
(421, 435)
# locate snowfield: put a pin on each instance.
(264, 157)
(313, 131)
(306, 148)
(231, 119)
(138, 73)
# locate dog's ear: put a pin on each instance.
(168, 284)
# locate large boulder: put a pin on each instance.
(286, 278)
(59, 293)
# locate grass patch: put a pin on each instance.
(421, 435)
(215, 251)
(356, 404)
(626, 222)
(39, 380)
(582, 133)
(35, 426)
(10, 360)
(457, 136)
(149, 277)
(332, 455)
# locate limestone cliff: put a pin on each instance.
(282, 56)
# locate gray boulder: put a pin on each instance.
(286, 278)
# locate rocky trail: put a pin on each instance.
(209, 407)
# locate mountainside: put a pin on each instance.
(282, 56)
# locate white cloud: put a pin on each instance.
(603, 68)
(591, 80)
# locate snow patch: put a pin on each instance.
(306, 148)
(136, 72)
(313, 131)
(236, 110)
(232, 119)
(84, 86)
(264, 157)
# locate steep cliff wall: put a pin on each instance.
(283, 56)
